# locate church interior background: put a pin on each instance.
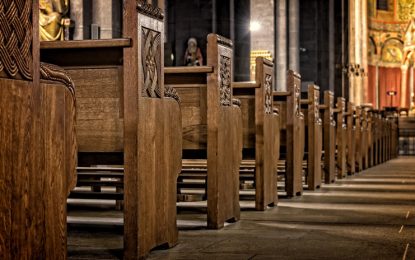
(357, 48)
(356, 63)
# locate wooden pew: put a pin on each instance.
(394, 138)
(341, 138)
(370, 137)
(313, 125)
(37, 145)
(358, 139)
(329, 131)
(365, 137)
(127, 117)
(351, 141)
(377, 141)
(260, 129)
(212, 128)
(292, 133)
(388, 138)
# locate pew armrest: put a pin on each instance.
(49, 72)
(244, 85)
(281, 93)
(236, 102)
(188, 70)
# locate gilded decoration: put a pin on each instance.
(392, 51)
(406, 9)
(52, 14)
(386, 32)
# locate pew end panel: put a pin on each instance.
(258, 119)
(359, 139)
(266, 147)
(351, 146)
(37, 149)
(329, 139)
(224, 146)
(152, 156)
(292, 126)
(341, 138)
(314, 138)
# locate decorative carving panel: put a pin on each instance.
(331, 104)
(16, 38)
(316, 106)
(342, 104)
(151, 62)
(297, 97)
(268, 94)
(225, 81)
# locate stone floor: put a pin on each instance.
(367, 216)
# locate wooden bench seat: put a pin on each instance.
(260, 134)
(314, 135)
(37, 144)
(359, 137)
(125, 110)
(212, 127)
(351, 141)
(341, 137)
(329, 139)
(292, 133)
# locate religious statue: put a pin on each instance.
(193, 55)
(51, 19)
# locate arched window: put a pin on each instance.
(382, 5)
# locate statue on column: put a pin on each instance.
(193, 55)
(52, 19)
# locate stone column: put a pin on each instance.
(358, 52)
(107, 14)
(281, 44)
(404, 83)
(357, 49)
(77, 16)
(294, 35)
(332, 61)
(364, 38)
(352, 58)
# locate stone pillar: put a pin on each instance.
(344, 48)
(281, 44)
(332, 53)
(358, 49)
(358, 52)
(107, 14)
(404, 82)
(364, 38)
(294, 35)
(77, 16)
(352, 51)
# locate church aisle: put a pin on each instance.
(367, 216)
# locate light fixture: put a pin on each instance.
(254, 26)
